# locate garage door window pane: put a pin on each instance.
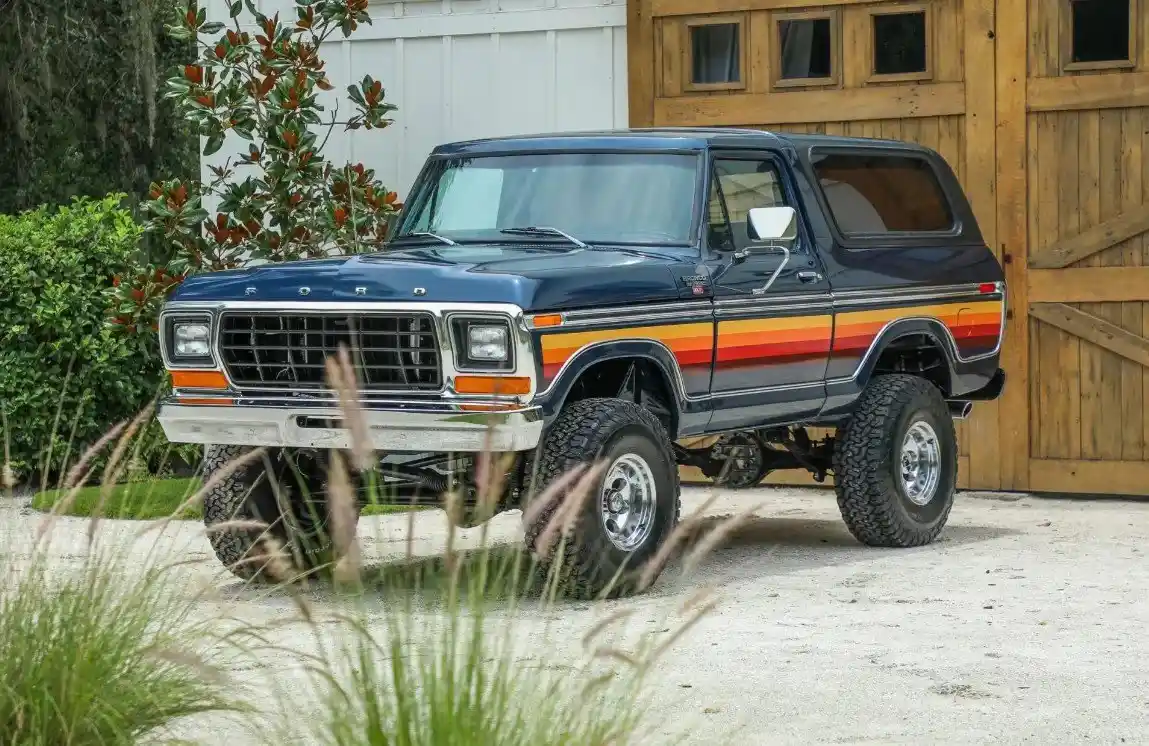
(871, 194)
(1100, 30)
(899, 43)
(715, 53)
(806, 48)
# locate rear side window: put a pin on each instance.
(878, 193)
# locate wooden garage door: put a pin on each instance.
(1088, 265)
(944, 99)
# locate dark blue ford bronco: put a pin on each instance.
(644, 298)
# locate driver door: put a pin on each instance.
(772, 344)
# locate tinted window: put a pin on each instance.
(882, 193)
(736, 188)
(715, 54)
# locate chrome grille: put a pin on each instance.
(390, 351)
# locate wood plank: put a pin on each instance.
(1089, 242)
(1089, 285)
(1012, 236)
(1121, 90)
(1094, 330)
(1133, 376)
(640, 63)
(980, 186)
(703, 7)
(802, 107)
(1089, 477)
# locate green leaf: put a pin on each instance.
(236, 8)
(211, 28)
(214, 143)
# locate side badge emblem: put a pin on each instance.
(361, 291)
(305, 291)
(420, 291)
(249, 291)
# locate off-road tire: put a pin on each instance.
(586, 432)
(248, 495)
(867, 478)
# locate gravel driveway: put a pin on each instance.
(1025, 623)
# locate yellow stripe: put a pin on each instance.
(573, 340)
(744, 326)
(940, 311)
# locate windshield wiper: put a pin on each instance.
(532, 230)
(425, 234)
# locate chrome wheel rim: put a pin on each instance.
(921, 463)
(627, 502)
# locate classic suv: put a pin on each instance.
(646, 298)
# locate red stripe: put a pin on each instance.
(777, 349)
(804, 357)
(694, 357)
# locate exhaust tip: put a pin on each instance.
(960, 410)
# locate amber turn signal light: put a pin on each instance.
(198, 379)
(495, 385)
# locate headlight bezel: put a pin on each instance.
(168, 331)
(460, 326)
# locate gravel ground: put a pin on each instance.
(1024, 623)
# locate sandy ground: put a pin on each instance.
(1024, 623)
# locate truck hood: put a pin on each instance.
(532, 277)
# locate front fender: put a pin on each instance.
(552, 399)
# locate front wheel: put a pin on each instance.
(281, 490)
(895, 463)
(631, 510)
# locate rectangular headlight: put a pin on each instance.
(483, 344)
(191, 339)
(187, 340)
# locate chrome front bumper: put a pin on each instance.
(407, 430)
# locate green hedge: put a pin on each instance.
(62, 369)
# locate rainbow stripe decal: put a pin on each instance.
(775, 341)
(975, 326)
(692, 344)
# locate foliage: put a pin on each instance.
(279, 199)
(146, 500)
(80, 113)
(101, 657)
(64, 376)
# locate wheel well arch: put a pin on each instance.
(644, 372)
(922, 347)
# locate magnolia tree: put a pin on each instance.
(280, 199)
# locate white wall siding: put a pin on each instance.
(462, 69)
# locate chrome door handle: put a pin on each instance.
(807, 275)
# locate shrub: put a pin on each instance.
(279, 198)
(64, 375)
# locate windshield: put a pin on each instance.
(607, 198)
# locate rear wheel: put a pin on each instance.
(895, 463)
(630, 511)
(283, 490)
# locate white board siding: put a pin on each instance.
(461, 69)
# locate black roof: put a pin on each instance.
(658, 138)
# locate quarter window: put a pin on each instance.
(737, 187)
(876, 194)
